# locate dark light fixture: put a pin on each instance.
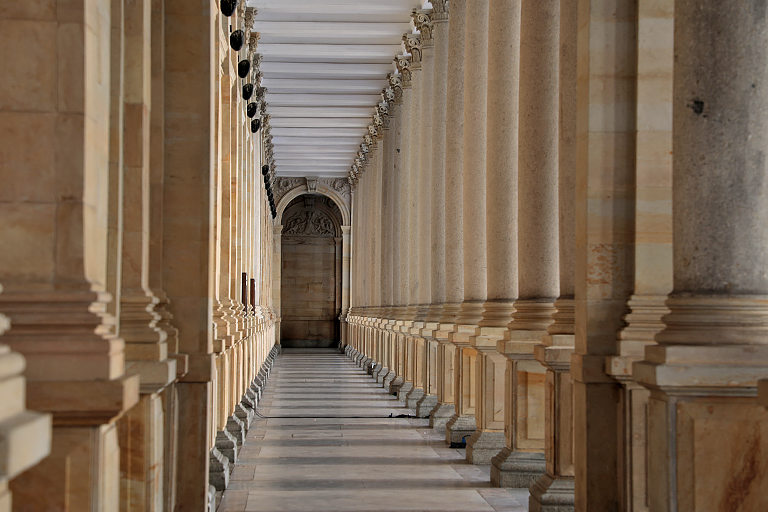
(243, 67)
(251, 109)
(247, 92)
(264, 170)
(236, 40)
(228, 7)
(255, 125)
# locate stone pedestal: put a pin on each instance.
(490, 368)
(705, 429)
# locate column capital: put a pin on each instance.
(422, 18)
(378, 123)
(382, 111)
(413, 45)
(396, 84)
(257, 57)
(373, 131)
(403, 63)
(439, 11)
(253, 44)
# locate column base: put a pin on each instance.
(550, 494)
(483, 446)
(413, 397)
(218, 471)
(211, 499)
(394, 385)
(440, 415)
(403, 391)
(377, 370)
(425, 405)
(516, 469)
(458, 429)
(384, 375)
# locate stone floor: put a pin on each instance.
(327, 443)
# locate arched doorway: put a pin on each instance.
(311, 272)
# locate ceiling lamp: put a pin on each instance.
(247, 91)
(255, 125)
(228, 7)
(243, 67)
(251, 109)
(236, 40)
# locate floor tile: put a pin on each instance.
(327, 439)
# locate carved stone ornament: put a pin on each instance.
(403, 63)
(412, 44)
(440, 10)
(388, 95)
(396, 84)
(422, 18)
(373, 131)
(312, 185)
(249, 18)
(283, 185)
(256, 60)
(253, 44)
(312, 222)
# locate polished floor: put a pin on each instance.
(326, 442)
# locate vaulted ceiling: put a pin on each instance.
(325, 63)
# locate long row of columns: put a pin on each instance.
(136, 258)
(531, 266)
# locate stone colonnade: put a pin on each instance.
(532, 302)
(136, 256)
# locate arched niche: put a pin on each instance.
(311, 271)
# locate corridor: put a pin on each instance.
(327, 443)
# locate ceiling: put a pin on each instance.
(325, 63)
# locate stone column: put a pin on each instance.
(463, 424)
(521, 463)
(190, 73)
(501, 242)
(346, 260)
(56, 259)
(703, 373)
(405, 181)
(422, 330)
(387, 203)
(413, 45)
(395, 134)
(277, 258)
(453, 165)
(438, 94)
(653, 238)
(554, 491)
(606, 73)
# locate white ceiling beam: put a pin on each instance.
(310, 86)
(336, 100)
